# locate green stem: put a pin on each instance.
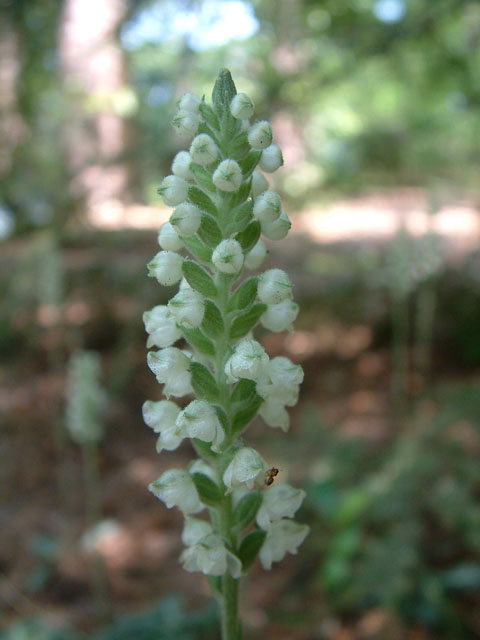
(400, 364)
(229, 585)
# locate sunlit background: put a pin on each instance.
(376, 106)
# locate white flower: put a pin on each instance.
(274, 413)
(181, 165)
(171, 368)
(274, 286)
(271, 159)
(280, 379)
(247, 361)
(227, 176)
(194, 530)
(199, 420)
(161, 417)
(161, 326)
(278, 229)
(256, 256)
(186, 219)
(242, 106)
(260, 135)
(211, 557)
(176, 489)
(186, 123)
(228, 256)
(168, 238)
(189, 102)
(279, 501)
(285, 536)
(188, 308)
(203, 150)
(200, 466)
(246, 468)
(267, 207)
(259, 183)
(166, 267)
(281, 316)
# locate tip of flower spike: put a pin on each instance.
(224, 90)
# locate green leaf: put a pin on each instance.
(249, 162)
(198, 248)
(241, 217)
(204, 383)
(244, 295)
(223, 91)
(199, 279)
(204, 202)
(246, 414)
(209, 115)
(212, 323)
(239, 146)
(207, 489)
(222, 416)
(244, 390)
(246, 510)
(196, 338)
(250, 546)
(245, 323)
(204, 128)
(242, 194)
(249, 237)
(202, 176)
(209, 231)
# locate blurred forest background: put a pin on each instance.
(376, 105)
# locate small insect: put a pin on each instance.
(270, 476)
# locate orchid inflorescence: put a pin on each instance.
(222, 207)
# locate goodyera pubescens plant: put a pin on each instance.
(222, 206)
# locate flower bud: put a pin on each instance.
(267, 207)
(279, 501)
(186, 219)
(161, 417)
(194, 530)
(247, 467)
(181, 165)
(171, 368)
(228, 256)
(285, 536)
(260, 135)
(186, 123)
(278, 229)
(161, 326)
(256, 256)
(189, 102)
(271, 159)
(168, 238)
(203, 150)
(211, 557)
(227, 176)
(274, 286)
(177, 489)
(199, 420)
(173, 190)
(242, 106)
(259, 183)
(188, 308)
(166, 267)
(274, 413)
(281, 316)
(247, 361)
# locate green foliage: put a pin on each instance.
(250, 546)
(402, 530)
